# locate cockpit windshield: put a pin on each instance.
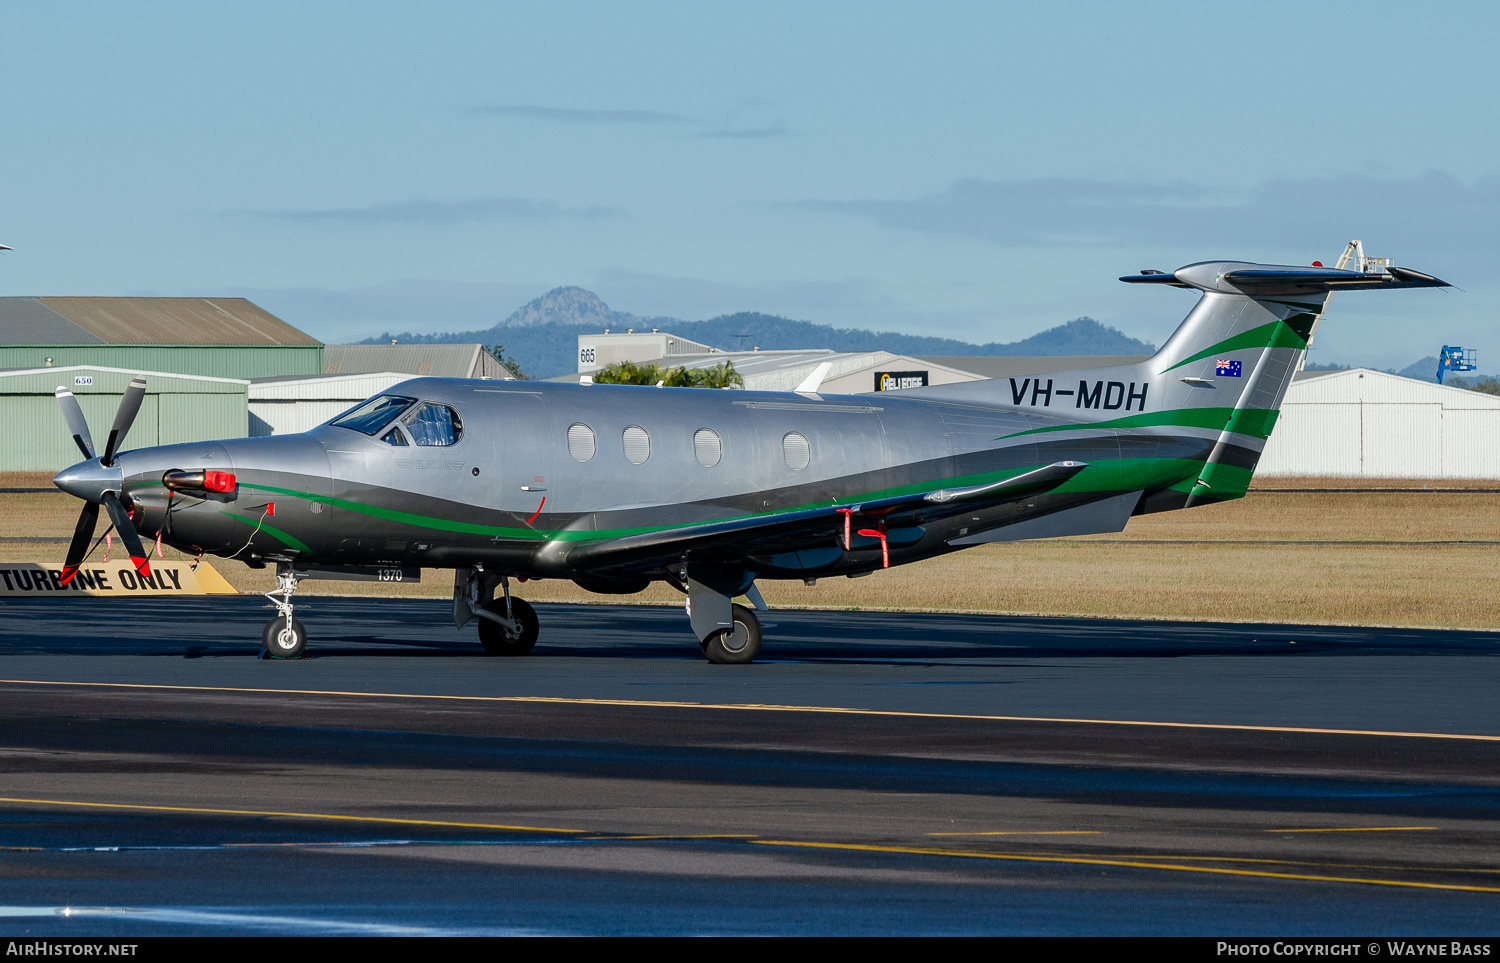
(375, 414)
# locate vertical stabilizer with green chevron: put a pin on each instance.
(1230, 362)
(1214, 389)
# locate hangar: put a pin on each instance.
(422, 360)
(285, 406)
(1360, 423)
(216, 337)
(353, 372)
(177, 408)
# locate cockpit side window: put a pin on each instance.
(375, 414)
(433, 425)
(394, 437)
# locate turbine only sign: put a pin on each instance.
(896, 380)
(112, 578)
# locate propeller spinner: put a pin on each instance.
(98, 480)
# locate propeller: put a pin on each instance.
(97, 481)
(77, 424)
(130, 406)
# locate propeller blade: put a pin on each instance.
(79, 547)
(126, 528)
(78, 426)
(130, 405)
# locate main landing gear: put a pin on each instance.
(728, 633)
(283, 637)
(507, 625)
(734, 646)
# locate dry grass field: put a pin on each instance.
(1293, 550)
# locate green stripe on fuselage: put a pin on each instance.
(289, 540)
(1112, 475)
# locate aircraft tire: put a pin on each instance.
(284, 638)
(497, 641)
(736, 646)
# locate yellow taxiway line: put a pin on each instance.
(585, 835)
(1035, 832)
(383, 820)
(762, 707)
(1124, 863)
(1356, 829)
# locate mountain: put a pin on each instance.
(569, 305)
(1424, 370)
(543, 334)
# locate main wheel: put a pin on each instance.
(284, 638)
(497, 641)
(736, 646)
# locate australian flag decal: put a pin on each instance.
(1227, 369)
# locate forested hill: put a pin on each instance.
(543, 335)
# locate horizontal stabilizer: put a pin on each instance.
(1257, 280)
(1327, 280)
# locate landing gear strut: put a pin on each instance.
(283, 637)
(507, 625)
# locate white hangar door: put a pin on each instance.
(1471, 443)
(1403, 440)
(1313, 439)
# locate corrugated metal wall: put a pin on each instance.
(291, 417)
(174, 410)
(1371, 424)
(288, 407)
(231, 361)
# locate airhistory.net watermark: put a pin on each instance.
(49, 948)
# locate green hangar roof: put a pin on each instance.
(140, 321)
(214, 337)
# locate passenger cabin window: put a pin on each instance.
(581, 443)
(796, 450)
(637, 445)
(375, 414)
(433, 425)
(707, 447)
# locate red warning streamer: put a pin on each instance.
(847, 513)
(885, 552)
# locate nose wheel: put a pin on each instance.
(283, 637)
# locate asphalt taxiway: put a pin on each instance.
(875, 773)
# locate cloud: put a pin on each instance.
(1430, 211)
(440, 213)
(749, 133)
(571, 115)
(732, 124)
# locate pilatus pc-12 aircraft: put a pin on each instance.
(614, 486)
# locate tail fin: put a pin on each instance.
(1220, 376)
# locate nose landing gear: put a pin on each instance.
(283, 637)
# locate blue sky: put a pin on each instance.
(978, 171)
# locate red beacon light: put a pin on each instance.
(219, 481)
(200, 481)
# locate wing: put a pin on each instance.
(790, 530)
